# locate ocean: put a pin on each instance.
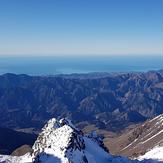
(67, 65)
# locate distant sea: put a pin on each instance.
(68, 65)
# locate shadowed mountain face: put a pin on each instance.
(10, 140)
(110, 101)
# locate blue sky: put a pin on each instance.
(81, 27)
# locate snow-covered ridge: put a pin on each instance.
(61, 142)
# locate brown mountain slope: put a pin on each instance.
(138, 140)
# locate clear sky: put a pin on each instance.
(74, 27)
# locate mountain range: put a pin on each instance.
(110, 101)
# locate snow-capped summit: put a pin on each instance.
(61, 142)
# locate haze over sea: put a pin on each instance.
(67, 65)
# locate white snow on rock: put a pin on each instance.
(15, 159)
(155, 153)
(61, 142)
